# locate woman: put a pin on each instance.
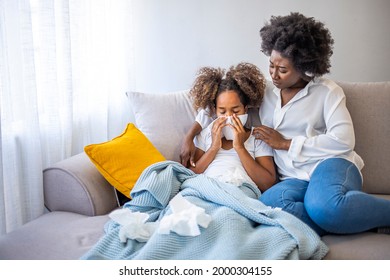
(226, 150)
(306, 122)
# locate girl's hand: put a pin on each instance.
(272, 137)
(217, 131)
(240, 134)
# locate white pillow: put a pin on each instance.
(164, 119)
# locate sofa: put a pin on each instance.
(79, 198)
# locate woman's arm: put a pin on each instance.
(187, 153)
(272, 137)
(335, 138)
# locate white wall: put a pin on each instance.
(173, 38)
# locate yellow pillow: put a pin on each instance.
(122, 159)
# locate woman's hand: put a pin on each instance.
(272, 137)
(187, 152)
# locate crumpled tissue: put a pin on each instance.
(133, 225)
(236, 176)
(185, 218)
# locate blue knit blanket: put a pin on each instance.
(241, 227)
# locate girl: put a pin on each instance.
(225, 149)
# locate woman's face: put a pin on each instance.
(282, 71)
(228, 103)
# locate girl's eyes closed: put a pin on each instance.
(224, 112)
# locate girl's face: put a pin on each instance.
(282, 72)
(228, 103)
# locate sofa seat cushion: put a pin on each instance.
(362, 246)
(53, 236)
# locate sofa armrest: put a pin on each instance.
(75, 185)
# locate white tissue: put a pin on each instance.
(235, 177)
(227, 131)
(185, 218)
(133, 225)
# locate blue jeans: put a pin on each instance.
(332, 201)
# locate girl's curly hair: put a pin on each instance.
(303, 40)
(245, 78)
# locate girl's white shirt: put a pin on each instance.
(317, 121)
(227, 166)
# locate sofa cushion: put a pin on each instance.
(362, 246)
(369, 105)
(122, 159)
(164, 118)
(53, 236)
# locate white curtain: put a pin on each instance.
(65, 66)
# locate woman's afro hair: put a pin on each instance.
(245, 78)
(303, 40)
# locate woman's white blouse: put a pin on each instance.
(317, 121)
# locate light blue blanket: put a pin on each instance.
(241, 228)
